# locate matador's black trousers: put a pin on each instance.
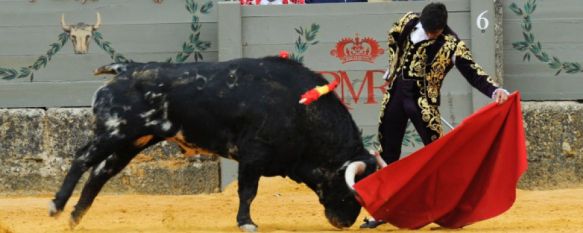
(401, 107)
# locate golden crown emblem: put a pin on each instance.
(357, 49)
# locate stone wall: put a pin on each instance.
(499, 35)
(37, 146)
(554, 131)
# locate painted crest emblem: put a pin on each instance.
(357, 49)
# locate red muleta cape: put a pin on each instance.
(468, 175)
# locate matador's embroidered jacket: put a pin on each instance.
(428, 62)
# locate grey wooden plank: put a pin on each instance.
(280, 29)
(513, 60)
(70, 67)
(557, 25)
(69, 94)
(555, 31)
(123, 38)
(43, 13)
(545, 88)
(319, 56)
(357, 9)
(229, 27)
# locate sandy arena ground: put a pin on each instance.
(281, 206)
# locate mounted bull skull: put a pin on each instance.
(80, 33)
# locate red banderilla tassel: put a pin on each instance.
(315, 93)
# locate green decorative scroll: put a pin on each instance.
(11, 73)
(194, 44)
(306, 38)
(106, 46)
(370, 142)
(411, 139)
(531, 47)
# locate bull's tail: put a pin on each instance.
(316, 92)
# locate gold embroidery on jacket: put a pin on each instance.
(386, 99)
(417, 67)
(463, 52)
(479, 69)
(430, 87)
(491, 81)
(398, 64)
(439, 66)
(430, 114)
(398, 27)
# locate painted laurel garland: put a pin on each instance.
(306, 38)
(11, 73)
(411, 139)
(529, 46)
(194, 45)
(106, 46)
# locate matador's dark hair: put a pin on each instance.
(433, 17)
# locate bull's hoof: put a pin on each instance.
(53, 211)
(73, 222)
(248, 227)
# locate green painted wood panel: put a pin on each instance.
(353, 8)
(280, 29)
(48, 94)
(153, 38)
(137, 29)
(71, 67)
(48, 12)
(267, 31)
(557, 25)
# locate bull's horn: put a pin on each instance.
(64, 25)
(98, 23)
(353, 169)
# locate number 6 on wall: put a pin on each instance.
(482, 22)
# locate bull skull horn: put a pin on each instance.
(352, 170)
(64, 25)
(98, 23)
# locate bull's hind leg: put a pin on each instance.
(88, 156)
(100, 174)
(248, 181)
(252, 157)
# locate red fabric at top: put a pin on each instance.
(468, 175)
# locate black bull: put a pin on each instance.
(244, 109)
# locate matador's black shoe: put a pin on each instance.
(371, 223)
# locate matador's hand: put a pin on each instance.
(500, 96)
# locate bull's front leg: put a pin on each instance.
(248, 183)
(88, 156)
(99, 176)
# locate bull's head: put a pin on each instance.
(80, 33)
(338, 198)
